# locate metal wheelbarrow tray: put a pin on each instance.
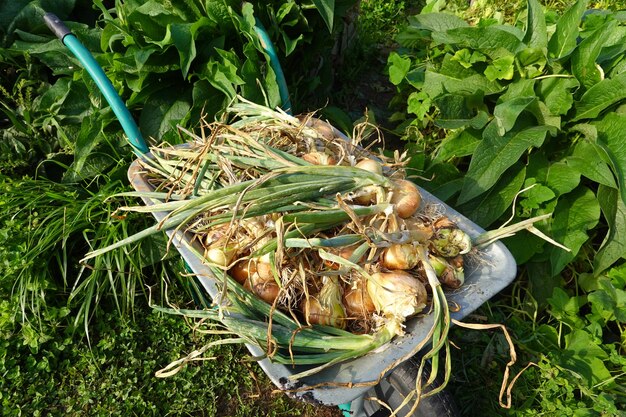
(483, 279)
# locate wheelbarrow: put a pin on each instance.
(352, 381)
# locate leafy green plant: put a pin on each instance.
(519, 109)
(523, 119)
(115, 376)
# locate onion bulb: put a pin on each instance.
(346, 253)
(242, 270)
(450, 241)
(319, 158)
(266, 290)
(367, 195)
(357, 300)
(370, 165)
(396, 294)
(326, 308)
(406, 198)
(399, 256)
(220, 256)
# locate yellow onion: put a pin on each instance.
(396, 294)
(221, 256)
(324, 129)
(406, 198)
(419, 230)
(357, 300)
(242, 270)
(266, 290)
(345, 252)
(319, 158)
(367, 195)
(326, 308)
(399, 256)
(370, 165)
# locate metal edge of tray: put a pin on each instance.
(485, 276)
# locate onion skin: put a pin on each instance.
(399, 256)
(449, 271)
(264, 270)
(266, 290)
(419, 230)
(326, 308)
(367, 194)
(358, 302)
(370, 165)
(219, 256)
(345, 252)
(397, 294)
(319, 158)
(242, 270)
(406, 198)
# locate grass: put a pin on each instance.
(64, 376)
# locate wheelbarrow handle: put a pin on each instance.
(104, 85)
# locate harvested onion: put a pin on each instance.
(357, 301)
(399, 256)
(406, 198)
(396, 294)
(326, 308)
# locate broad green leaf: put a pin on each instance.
(587, 159)
(458, 144)
(611, 138)
(536, 35)
(456, 111)
(575, 213)
(418, 104)
(398, 67)
(476, 122)
(23, 14)
(583, 356)
(326, 9)
(463, 83)
(583, 345)
(223, 75)
(600, 97)
(501, 68)
(163, 112)
(495, 154)
(561, 178)
(184, 42)
(565, 308)
(585, 55)
(467, 58)
(603, 304)
(518, 88)
(487, 208)
(545, 117)
(613, 247)
(437, 22)
(556, 94)
(492, 41)
(534, 197)
(531, 62)
(563, 40)
(506, 113)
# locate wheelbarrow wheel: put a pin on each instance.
(394, 388)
